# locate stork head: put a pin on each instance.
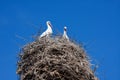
(65, 28)
(49, 24)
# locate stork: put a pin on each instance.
(48, 32)
(65, 34)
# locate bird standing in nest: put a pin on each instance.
(48, 32)
(65, 34)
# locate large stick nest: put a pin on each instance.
(54, 59)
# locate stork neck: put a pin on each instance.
(65, 32)
(49, 28)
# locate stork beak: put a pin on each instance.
(48, 23)
(65, 29)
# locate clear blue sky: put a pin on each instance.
(96, 23)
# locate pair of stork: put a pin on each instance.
(49, 31)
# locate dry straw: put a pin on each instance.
(54, 59)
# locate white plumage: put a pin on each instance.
(48, 32)
(65, 34)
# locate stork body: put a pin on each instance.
(48, 32)
(65, 34)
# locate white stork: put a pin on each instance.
(48, 32)
(65, 34)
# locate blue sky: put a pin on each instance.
(95, 23)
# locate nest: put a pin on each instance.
(54, 59)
